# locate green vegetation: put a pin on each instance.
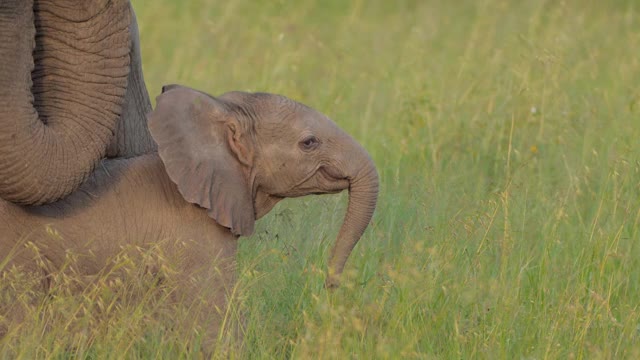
(507, 137)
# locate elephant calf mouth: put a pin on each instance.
(331, 181)
(323, 182)
(327, 192)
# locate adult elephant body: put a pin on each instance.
(71, 92)
(222, 163)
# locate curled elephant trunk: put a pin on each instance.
(63, 78)
(363, 195)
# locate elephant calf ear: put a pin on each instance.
(190, 129)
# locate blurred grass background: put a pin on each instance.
(506, 134)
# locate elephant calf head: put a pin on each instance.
(238, 154)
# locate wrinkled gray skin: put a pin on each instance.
(71, 92)
(221, 163)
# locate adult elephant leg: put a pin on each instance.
(132, 135)
(63, 77)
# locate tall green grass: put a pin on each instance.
(507, 138)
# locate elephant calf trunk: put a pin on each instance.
(363, 195)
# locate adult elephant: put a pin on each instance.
(71, 92)
(222, 163)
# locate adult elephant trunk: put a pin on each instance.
(63, 77)
(132, 137)
(363, 195)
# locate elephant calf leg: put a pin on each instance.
(203, 289)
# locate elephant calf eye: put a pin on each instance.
(309, 143)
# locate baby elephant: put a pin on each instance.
(222, 163)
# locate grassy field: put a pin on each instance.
(507, 138)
